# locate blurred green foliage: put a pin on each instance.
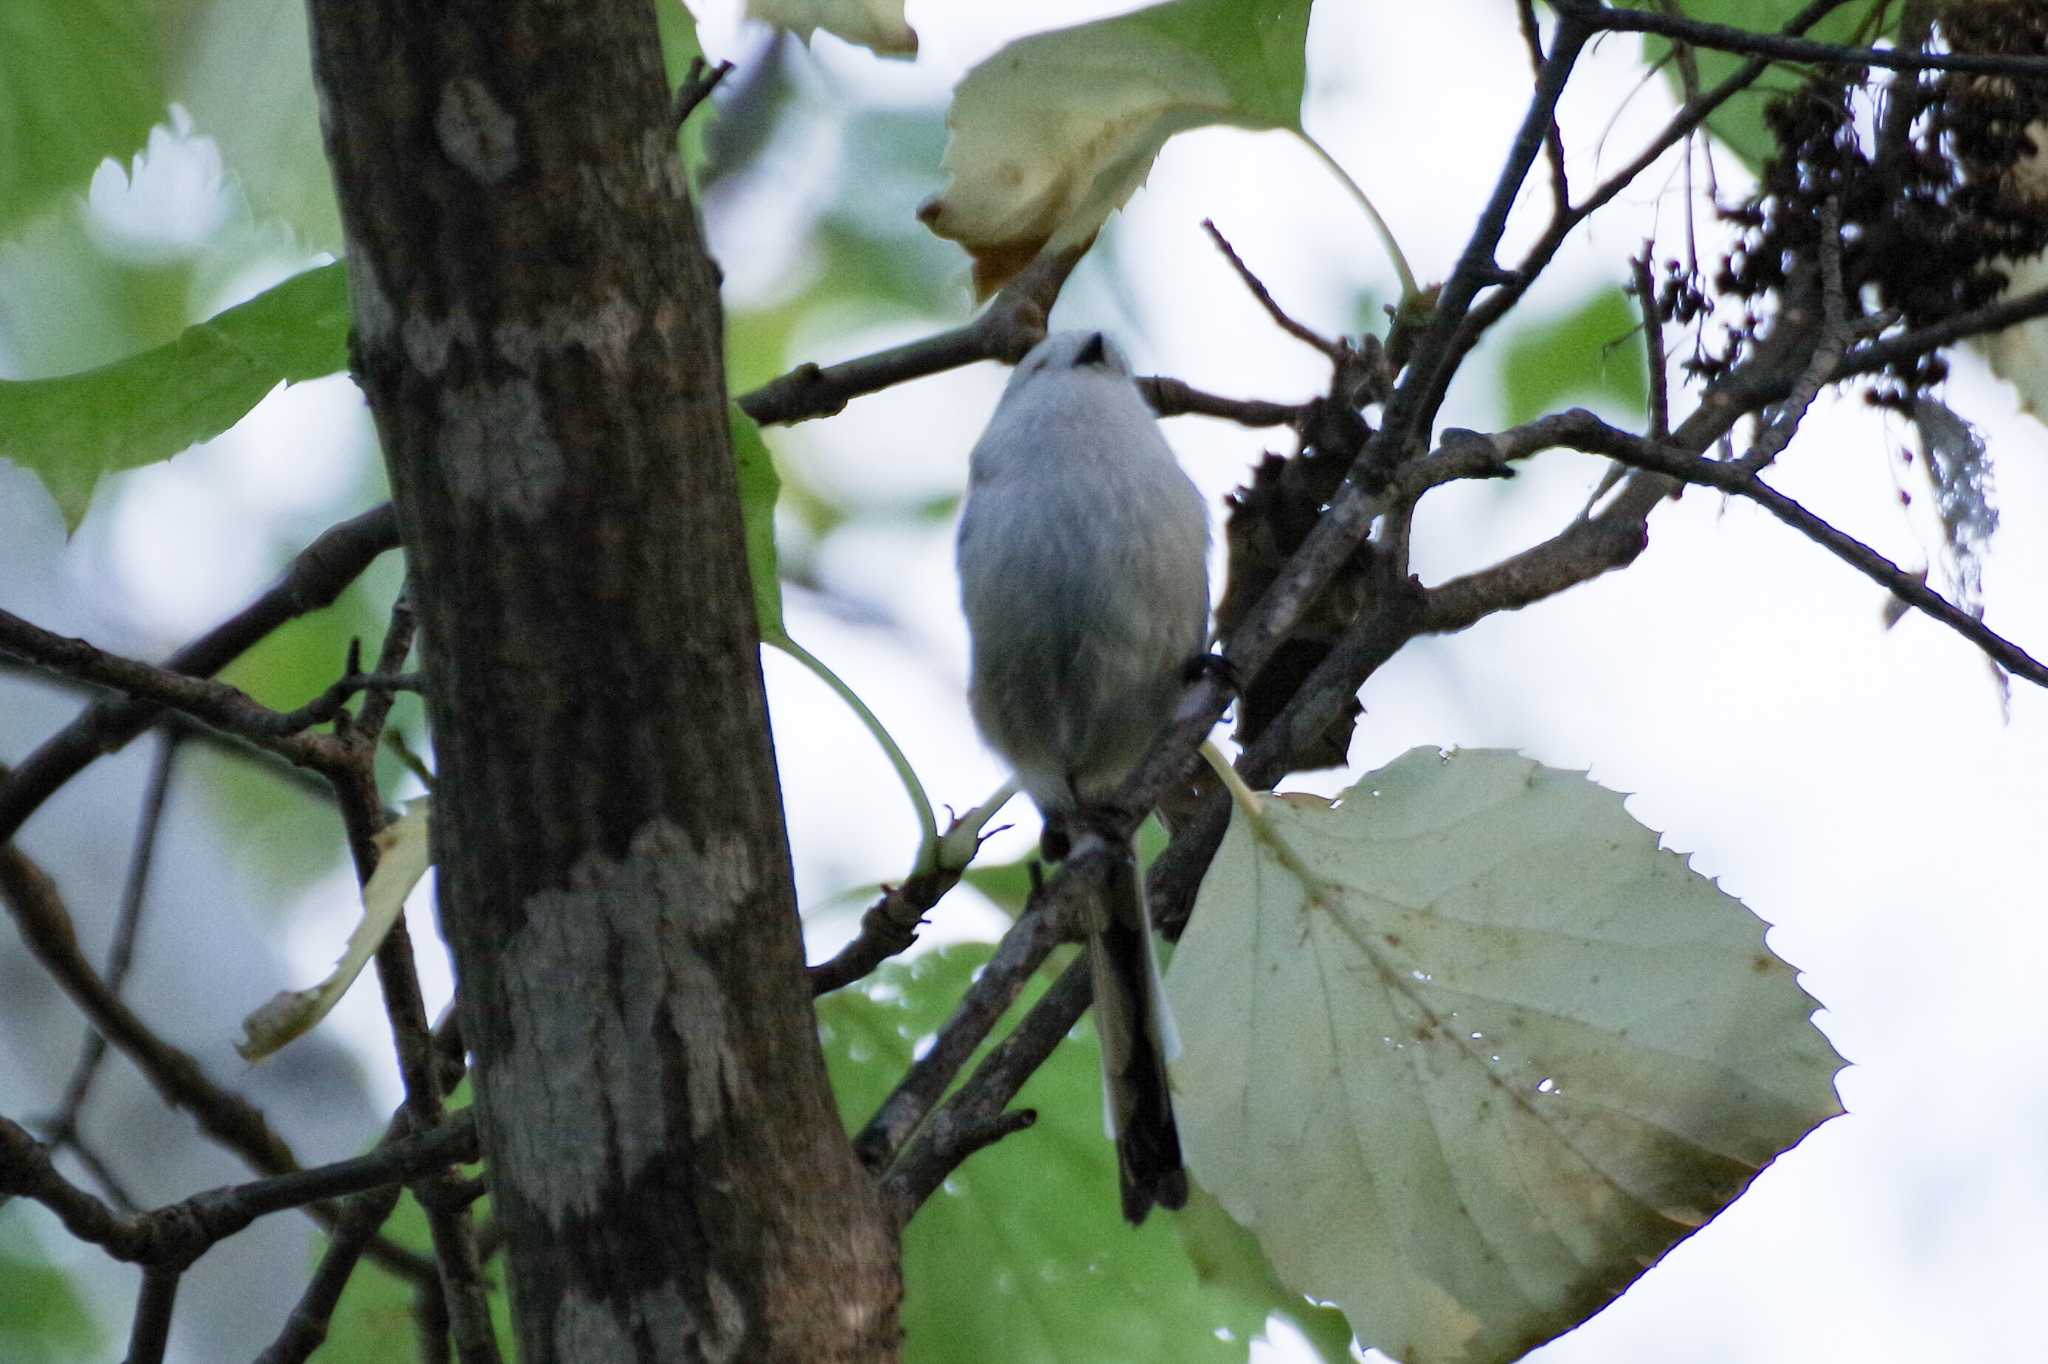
(1593, 354)
(42, 1315)
(79, 80)
(375, 1322)
(1739, 124)
(1023, 1254)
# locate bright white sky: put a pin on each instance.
(1860, 789)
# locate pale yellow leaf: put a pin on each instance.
(1057, 130)
(403, 858)
(877, 25)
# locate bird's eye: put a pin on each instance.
(1091, 352)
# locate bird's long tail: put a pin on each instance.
(1138, 1039)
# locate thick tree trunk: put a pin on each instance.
(537, 326)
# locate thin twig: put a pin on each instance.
(1781, 422)
(888, 928)
(1579, 429)
(62, 1128)
(955, 1137)
(1011, 324)
(1872, 356)
(1683, 124)
(102, 1174)
(313, 579)
(1173, 398)
(1553, 139)
(362, 816)
(218, 704)
(1017, 957)
(381, 689)
(1775, 47)
(1299, 331)
(230, 1119)
(151, 1329)
(175, 1235)
(698, 83)
(362, 1217)
(1654, 362)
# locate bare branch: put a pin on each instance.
(955, 1137)
(1993, 317)
(175, 1235)
(1775, 47)
(1683, 124)
(229, 1118)
(1018, 956)
(1012, 323)
(151, 1330)
(1653, 345)
(215, 703)
(306, 1329)
(1553, 140)
(1173, 398)
(62, 1127)
(312, 580)
(1299, 331)
(1581, 430)
(890, 925)
(698, 83)
(940, 1146)
(1782, 422)
(362, 816)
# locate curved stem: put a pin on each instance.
(1379, 224)
(928, 829)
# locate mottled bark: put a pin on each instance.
(537, 326)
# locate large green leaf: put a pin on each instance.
(1055, 131)
(73, 429)
(1468, 1052)
(78, 82)
(1739, 123)
(1023, 1255)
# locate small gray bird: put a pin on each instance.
(1084, 558)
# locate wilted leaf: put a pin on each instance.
(1960, 468)
(403, 855)
(874, 24)
(2019, 354)
(1054, 132)
(1468, 1052)
(72, 429)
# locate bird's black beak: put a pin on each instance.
(1091, 353)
